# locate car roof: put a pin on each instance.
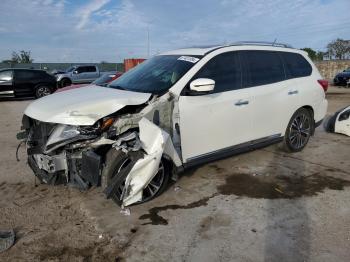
(203, 50)
(28, 69)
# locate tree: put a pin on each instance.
(24, 57)
(339, 48)
(320, 55)
(312, 53)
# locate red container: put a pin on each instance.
(132, 62)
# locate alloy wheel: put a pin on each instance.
(43, 91)
(300, 131)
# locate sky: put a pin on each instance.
(111, 30)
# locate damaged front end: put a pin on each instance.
(60, 153)
(78, 155)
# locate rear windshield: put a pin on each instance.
(156, 75)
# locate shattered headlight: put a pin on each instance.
(61, 134)
(65, 134)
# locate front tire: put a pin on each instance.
(300, 128)
(116, 161)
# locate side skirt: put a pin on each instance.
(234, 150)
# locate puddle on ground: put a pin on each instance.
(156, 219)
(258, 186)
(273, 187)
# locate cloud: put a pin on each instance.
(85, 13)
(86, 31)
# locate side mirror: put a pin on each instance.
(75, 72)
(202, 85)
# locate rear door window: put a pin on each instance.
(296, 65)
(261, 68)
(82, 69)
(90, 69)
(225, 70)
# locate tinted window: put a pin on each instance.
(225, 70)
(90, 69)
(296, 65)
(81, 69)
(26, 74)
(261, 68)
(86, 69)
(5, 76)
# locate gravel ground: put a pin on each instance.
(265, 205)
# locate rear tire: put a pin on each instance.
(65, 82)
(117, 160)
(300, 128)
(42, 90)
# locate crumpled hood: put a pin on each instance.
(82, 106)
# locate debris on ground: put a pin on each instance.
(125, 211)
(7, 239)
(177, 189)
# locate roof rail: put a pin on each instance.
(261, 43)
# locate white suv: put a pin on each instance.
(176, 110)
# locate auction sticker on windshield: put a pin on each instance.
(188, 59)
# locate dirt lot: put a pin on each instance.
(260, 206)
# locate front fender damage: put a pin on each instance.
(155, 143)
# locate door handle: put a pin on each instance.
(241, 103)
(294, 92)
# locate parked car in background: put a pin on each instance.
(102, 81)
(342, 78)
(79, 74)
(26, 83)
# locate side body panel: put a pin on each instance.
(211, 122)
(272, 106)
(23, 86)
(312, 94)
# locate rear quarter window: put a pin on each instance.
(296, 65)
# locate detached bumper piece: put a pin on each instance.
(339, 122)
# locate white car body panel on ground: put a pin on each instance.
(343, 126)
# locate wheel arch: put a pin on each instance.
(37, 85)
(310, 109)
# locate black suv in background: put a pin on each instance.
(342, 78)
(26, 83)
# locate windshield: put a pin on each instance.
(103, 80)
(156, 75)
(70, 69)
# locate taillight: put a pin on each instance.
(324, 84)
